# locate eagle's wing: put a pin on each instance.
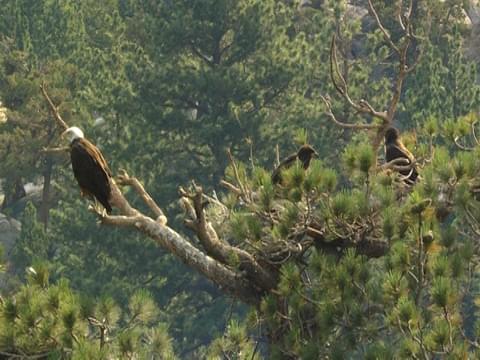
(395, 151)
(91, 171)
(97, 156)
(284, 164)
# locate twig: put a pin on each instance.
(237, 176)
(363, 106)
(382, 28)
(460, 146)
(18, 356)
(231, 187)
(277, 155)
(332, 116)
(53, 108)
(55, 150)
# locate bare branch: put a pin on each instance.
(53, 108)
(382, 28)
(125, 179)
(474, 133)
(363, 106)
(237, 177)
(460, 146)
(221, 250)
(332, 116)
(231, 187)
(55, 150)
(228, 280)
(399, 164)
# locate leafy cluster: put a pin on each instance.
(366, 267)
(369, 268)
(52, 320)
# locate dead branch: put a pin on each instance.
(220, 249)
(231, 187)
(55, 150)
(124, 179)
(403, 67)
(332, 116)
(399, 164)
(460, 146)
(362, 106)
(53, 108)
(242, 187)
(342, 88)
(228, 280)
(386, 34)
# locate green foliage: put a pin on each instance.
(33, 244)
(49, 321)
(235, 344)
(180, 83)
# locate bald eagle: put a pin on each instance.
(394, 149)
(304, 154)
(89, 167)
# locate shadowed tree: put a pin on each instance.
(336, 264)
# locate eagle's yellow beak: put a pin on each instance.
(63, 134)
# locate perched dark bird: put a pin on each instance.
(394, 149)
(90, 168)
(304, 154)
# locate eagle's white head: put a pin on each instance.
(73, 133)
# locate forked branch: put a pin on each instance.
(342, 124)
(401, 50)
(341, 86)
(220, 249)
(124, 179)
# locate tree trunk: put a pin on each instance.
(47, 178)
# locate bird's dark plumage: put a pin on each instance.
(304, 154)
(394, 149)
(91, 171)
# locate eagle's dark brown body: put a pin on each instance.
(304, 155)
(91, 171)
(394, 149)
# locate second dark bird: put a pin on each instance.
(304, 155)
(394, 149)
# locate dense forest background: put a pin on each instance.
(215, 92)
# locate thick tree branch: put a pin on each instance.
(229, 281)
(221, 250)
